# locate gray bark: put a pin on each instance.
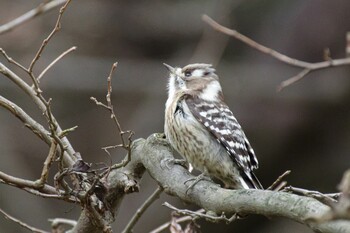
(152, 154)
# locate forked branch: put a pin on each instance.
(306, 66)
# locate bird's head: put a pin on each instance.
(197, 79)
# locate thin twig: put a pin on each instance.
(194, 214)
(254, 44)
(27, 120)
(178, 220)
(46, 41)
(47, 164)
(62, 196)
(110, 108)
(22, 224)
(11, 60)
(293, 79)
(279, 181)
(42, 8)
(32, 187)
(307, 66)
(55, 61)
(154, 196)
(55, 222)
(109, 102)
(326, 199)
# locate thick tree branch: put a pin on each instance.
(118, 182)
(211, 197)
(153, 151)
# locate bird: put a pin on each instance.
(203, 130)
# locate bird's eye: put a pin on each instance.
(187, 73)
(206, 73)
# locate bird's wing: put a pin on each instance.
(220, 122)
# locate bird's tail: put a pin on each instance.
(250, 181)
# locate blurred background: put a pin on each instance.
(304, 128)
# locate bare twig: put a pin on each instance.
(27, 120)
(178, 220)
(22, 224)
(341, 209)
(12, 61)
(47, 164)
(154, 196)
(29, 186)
(307, 66)
(110, 108)
(46, 41)
(56, 222)
(212, 45)
(36, 95)
(61, 196)
(55, 61)
(195, 215)
(42, 8)
(294, 79)
(278, 184)
(254, 44)
(326, 199)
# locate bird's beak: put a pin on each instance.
(170, 68)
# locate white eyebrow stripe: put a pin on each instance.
(197, 73)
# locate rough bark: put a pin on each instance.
(154, 153)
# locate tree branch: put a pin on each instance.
(307, 66)
(154, 196)
(55, 61)
(42, 8)
(211, 197)
(118, 183)
(148, 154)
(29, 122)
(178, 220)
(22, 224)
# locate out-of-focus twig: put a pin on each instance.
(22, 224)
(341, 209)
(195, 214)
(55, 61)
(178, 220)
(307, 66)
(154, 196)
(211, 46)
(58, 222)
(42, 8)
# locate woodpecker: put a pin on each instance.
(202, 129)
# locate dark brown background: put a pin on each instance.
(305, 128)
